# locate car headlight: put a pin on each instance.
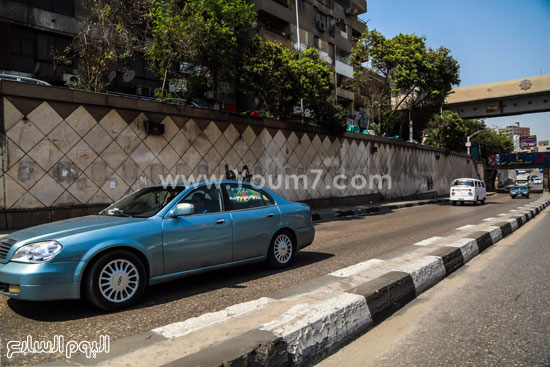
(37, 253)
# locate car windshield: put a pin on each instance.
(143, 203)
(463, 183)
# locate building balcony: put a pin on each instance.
(278, 9)
(359, 5)
(274, 36)
(358, 24)
(344, 68)
(345, 94)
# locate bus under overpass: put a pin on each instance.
(513, 97)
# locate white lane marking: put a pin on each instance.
(357, 268)
(467, 226)
(502, 215)
(193, 324)
(489, 219)
(429, 241)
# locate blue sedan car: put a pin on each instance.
(154, 235)
(519, 191)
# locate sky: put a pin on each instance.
(493, 40)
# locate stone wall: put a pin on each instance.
(70, 149)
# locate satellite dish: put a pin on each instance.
(128, 76)
(111, 76)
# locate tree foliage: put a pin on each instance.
(403, 68)
(111, 32)
(280, 78)
(450, 131)
(201, 39)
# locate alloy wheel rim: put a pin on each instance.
(118, 280)
(282, 248)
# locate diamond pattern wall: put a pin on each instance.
(63, 154)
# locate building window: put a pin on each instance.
(282, 2)
(64, 7)
(32, 51)
(321, 18)
(343, 27)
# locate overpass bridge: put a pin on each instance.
(519, 160)
(513, 97)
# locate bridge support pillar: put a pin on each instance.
(546, 179)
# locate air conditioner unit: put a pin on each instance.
(70, 78)
(350, 11)
(212, 94)
(322, 26)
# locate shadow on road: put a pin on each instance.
(55, 311)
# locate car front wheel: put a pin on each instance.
(116, 280)
(282, 249)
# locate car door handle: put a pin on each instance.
(220, 221)
(270, 215)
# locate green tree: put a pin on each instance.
(401, 72)
(450, 131)
(111, 32)
(488, 142)
(278, 78)
(446, 131)
(269, 77)
(199, 41)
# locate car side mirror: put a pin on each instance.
(183, 209)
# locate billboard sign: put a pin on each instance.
(528, 141)
(519, 160)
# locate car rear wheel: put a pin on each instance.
(116, 280)
(282, 249)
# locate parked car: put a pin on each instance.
(153, 235)
(23, 79)
(519, 191)
(467, 190)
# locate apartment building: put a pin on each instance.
(515, 130)
(31, 29)
(328, 25)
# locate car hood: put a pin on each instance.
(68, 227)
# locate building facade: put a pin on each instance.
(331, 26)
(515, 130)
(31, 31)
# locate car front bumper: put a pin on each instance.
(39, 282)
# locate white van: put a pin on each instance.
(467, 189)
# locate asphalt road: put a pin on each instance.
(492, 312)
(338, 244)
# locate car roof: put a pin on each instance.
(467, 179)
(23, 79)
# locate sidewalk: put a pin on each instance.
(347, 211)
